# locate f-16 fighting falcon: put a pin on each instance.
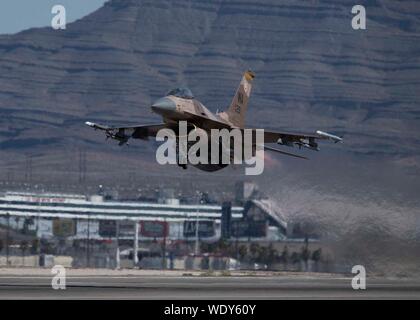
(179, 105)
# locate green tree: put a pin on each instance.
(285, 256)
(263, 255)
(316, 257)
(204, 247)
(305, 254)
(243, 252)
(294, 257)
(34, 246)
(23, 247)
(222, 246)
(26, 223)
(272, 255)
(254, 249)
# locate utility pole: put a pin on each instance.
(164, 245)
(88, 243)
(136, 244)
(38, 249)
(7, 239)
(118, 261)
(249, 231)
(237, 240)
(196, 235)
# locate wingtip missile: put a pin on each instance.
(93, 125)
(329, 136)
(97, 126)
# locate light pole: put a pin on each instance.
(118, 261)
(7, 238)
(88, 242)
(196, 234)
(136, 244)
(197, 239)
(164, 245)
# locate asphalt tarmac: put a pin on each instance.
(199, 287)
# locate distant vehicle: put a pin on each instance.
(180, 105)
(260, 266)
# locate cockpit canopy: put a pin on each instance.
(183, 93)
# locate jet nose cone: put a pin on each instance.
(164, 104)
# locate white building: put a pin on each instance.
(80, 217)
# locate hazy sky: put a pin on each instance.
(18, 15)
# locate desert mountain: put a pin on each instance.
(313, 72)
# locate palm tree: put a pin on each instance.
(272, 255)
(316, 257)
(23, 248)
(253, 249)
(243, 251)
(34, 246)
(263, 255)
(294, 257)
(285, 257)
(223, 246)
(305, 254)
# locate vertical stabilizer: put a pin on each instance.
(236, 112)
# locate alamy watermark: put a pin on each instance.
(58, 282)
(359, 20)
(359, 280)
(58, 22)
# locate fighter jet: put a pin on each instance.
(180, 105)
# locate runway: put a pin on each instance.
(198, 287)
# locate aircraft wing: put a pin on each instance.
(274, 137)
(298, 139)
(123, 133)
